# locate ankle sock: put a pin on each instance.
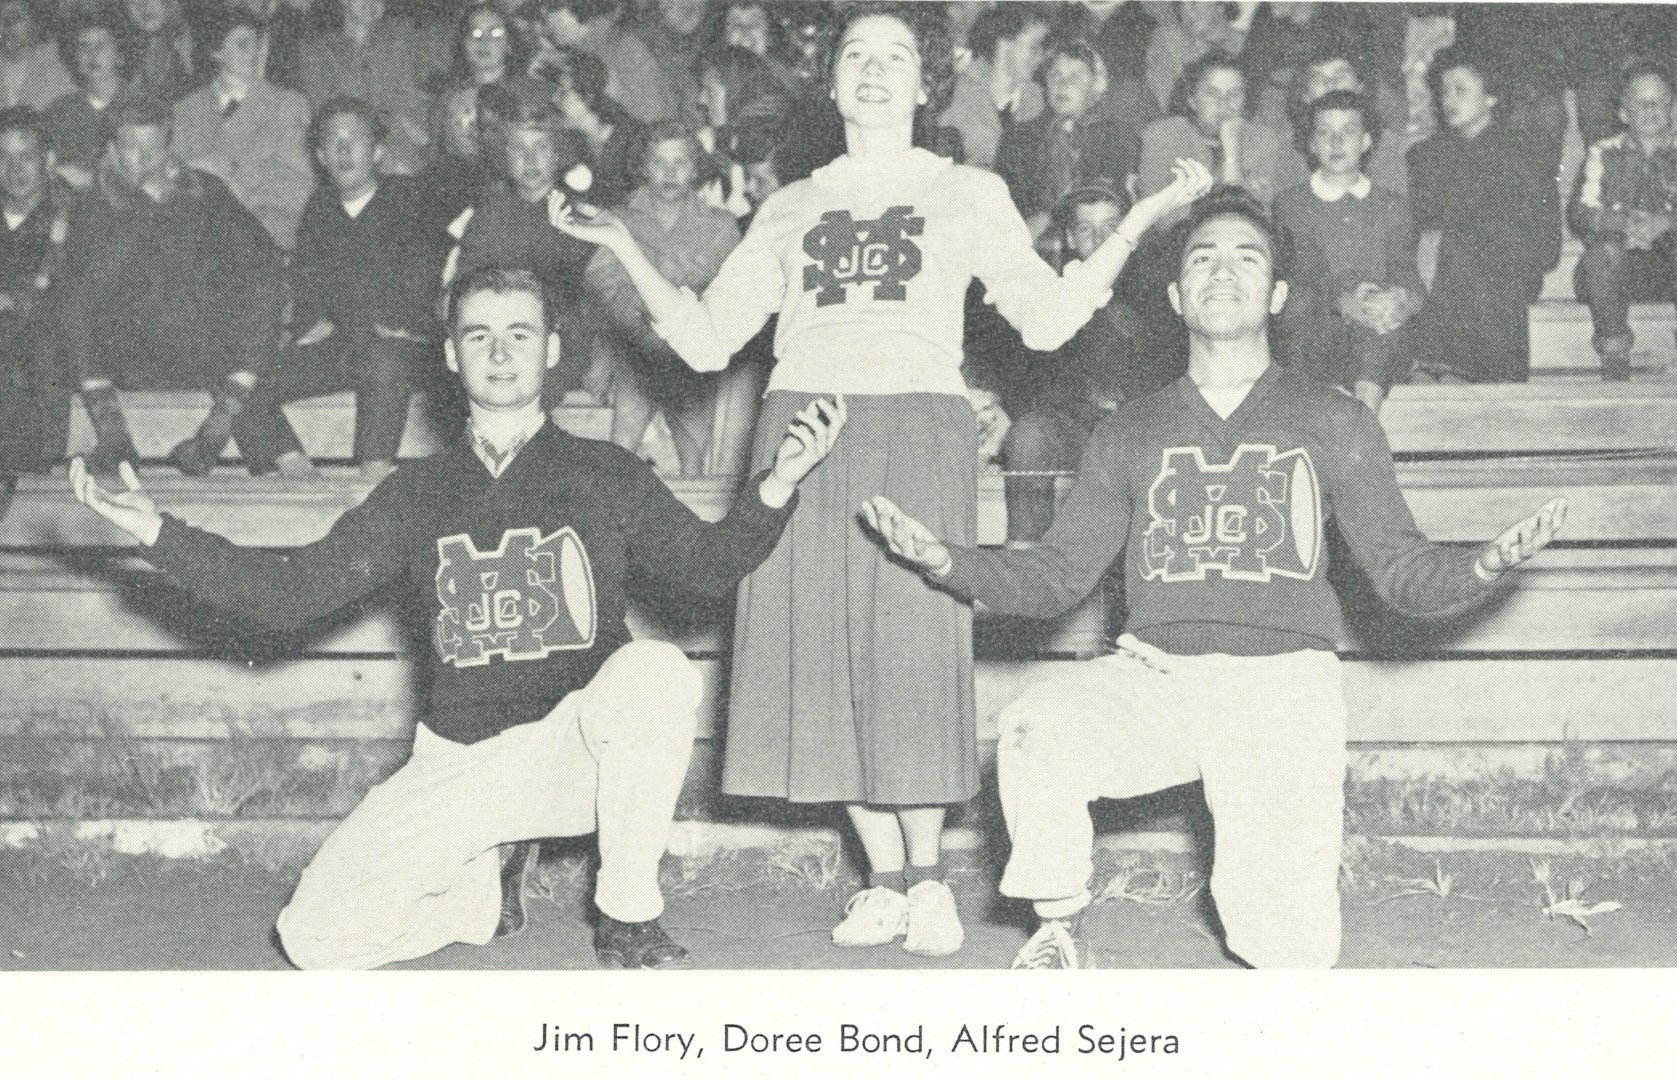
(890, 879)
(914, 875)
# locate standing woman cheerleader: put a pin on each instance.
(852, 678)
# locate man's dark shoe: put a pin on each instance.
(105, 457)
(113, 444)
(516, 871)
(637, 945)
(188, 459)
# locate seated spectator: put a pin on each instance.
(687, 241)
(747, 24)
(735, 87)
(172, 284)
(1354, 286)
(1075, 143)
(1478, 187)
(591, 26)
(31, 72)
(79, 122)
(1209, 124)
(37, 224)
(510, 222)
(1277, 48)
(385, 61)
(1119, 30)
(285, 23)
(458, 168)
(160, 48)
(613, 137)
(1197, 30)
(756, 148)
(998, 89)
(1079, 384)
(1623, 208)
(671, 31)
(355, 324)
(1337, 63)
(487, 49)
(249, 132)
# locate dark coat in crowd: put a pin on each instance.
(168, 294)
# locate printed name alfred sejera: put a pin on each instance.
(851, 1038)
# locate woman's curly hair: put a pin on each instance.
(929, 23)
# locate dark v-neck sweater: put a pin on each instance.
(1220, 522)
(523, 575)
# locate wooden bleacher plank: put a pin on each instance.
(158, 419)
(1560, 331)
(1557, 283)
(1500, 700)
(1628, 499)
(1546, 415)
(1632, 499)
(1531, 417)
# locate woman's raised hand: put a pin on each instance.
(1189, 180)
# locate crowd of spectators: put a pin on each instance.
(264, 198)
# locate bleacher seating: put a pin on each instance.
(1560, 327)
(1583, 649)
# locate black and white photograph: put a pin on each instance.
(875, 500)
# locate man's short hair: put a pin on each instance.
(1231, 200)
(1639, 69)
(24, 119)
(1004, 22)
(141, 112)
(1071, 48)
(1338, 101)
(583, 10)
(756, 139)
(495, 279)
(1065, 211)
(1338, 46)
(106, 20)
(218, 24)
(663, 131)
(345, 105)
(1188, 83)
(513, 109)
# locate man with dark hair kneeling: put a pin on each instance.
(544, 718)
(1215, 490)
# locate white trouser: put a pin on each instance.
(415, 867)
(1265, 734)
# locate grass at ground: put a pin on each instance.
(64, 907)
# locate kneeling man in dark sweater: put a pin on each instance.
(544, 718)
(1215, 491)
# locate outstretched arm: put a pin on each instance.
(604, 228)
(1189, 180)
(906, 538)
(132, 511)
(1048, 308)
(669, 542)
(1520, 541)
(283, 589)
(1415, 576)
(704, 333)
